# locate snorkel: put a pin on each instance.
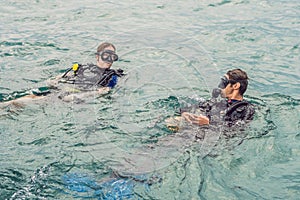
(222, 85)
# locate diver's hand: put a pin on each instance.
(195, 119)
(187, 116)
(200, 120)
(103, 90)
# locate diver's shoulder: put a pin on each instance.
(249, 110)
(248, 104)
(240, 110)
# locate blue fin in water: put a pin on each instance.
(85, 187)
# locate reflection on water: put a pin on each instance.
(173, 54)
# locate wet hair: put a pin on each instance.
(240, 76)
(104, 45)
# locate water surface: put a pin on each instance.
(173, 54)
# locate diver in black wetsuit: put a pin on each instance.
(95, 75)
(81, 81)
(90, 79)
(234, 108)
(230, 110)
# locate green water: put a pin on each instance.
(173, 53)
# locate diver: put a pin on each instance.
(90, 79)
(80, 80)
(230, 110)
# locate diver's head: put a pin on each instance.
(106, 55)
(234, 84)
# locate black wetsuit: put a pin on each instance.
(86, 77)
(224, 111)
(82, 78)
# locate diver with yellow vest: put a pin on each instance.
(81, 80)
(89, 79)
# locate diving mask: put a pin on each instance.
(108, 56)
(225, 81)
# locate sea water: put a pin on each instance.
(117, 146)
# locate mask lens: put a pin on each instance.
(223, 83)
(105, 56)
(114, 57)
(108, 56)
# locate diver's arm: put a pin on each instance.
(103, 90)
(52, 82)
(83, 95)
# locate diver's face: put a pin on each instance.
(227, 91)
(227, 87)
(106, 63)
